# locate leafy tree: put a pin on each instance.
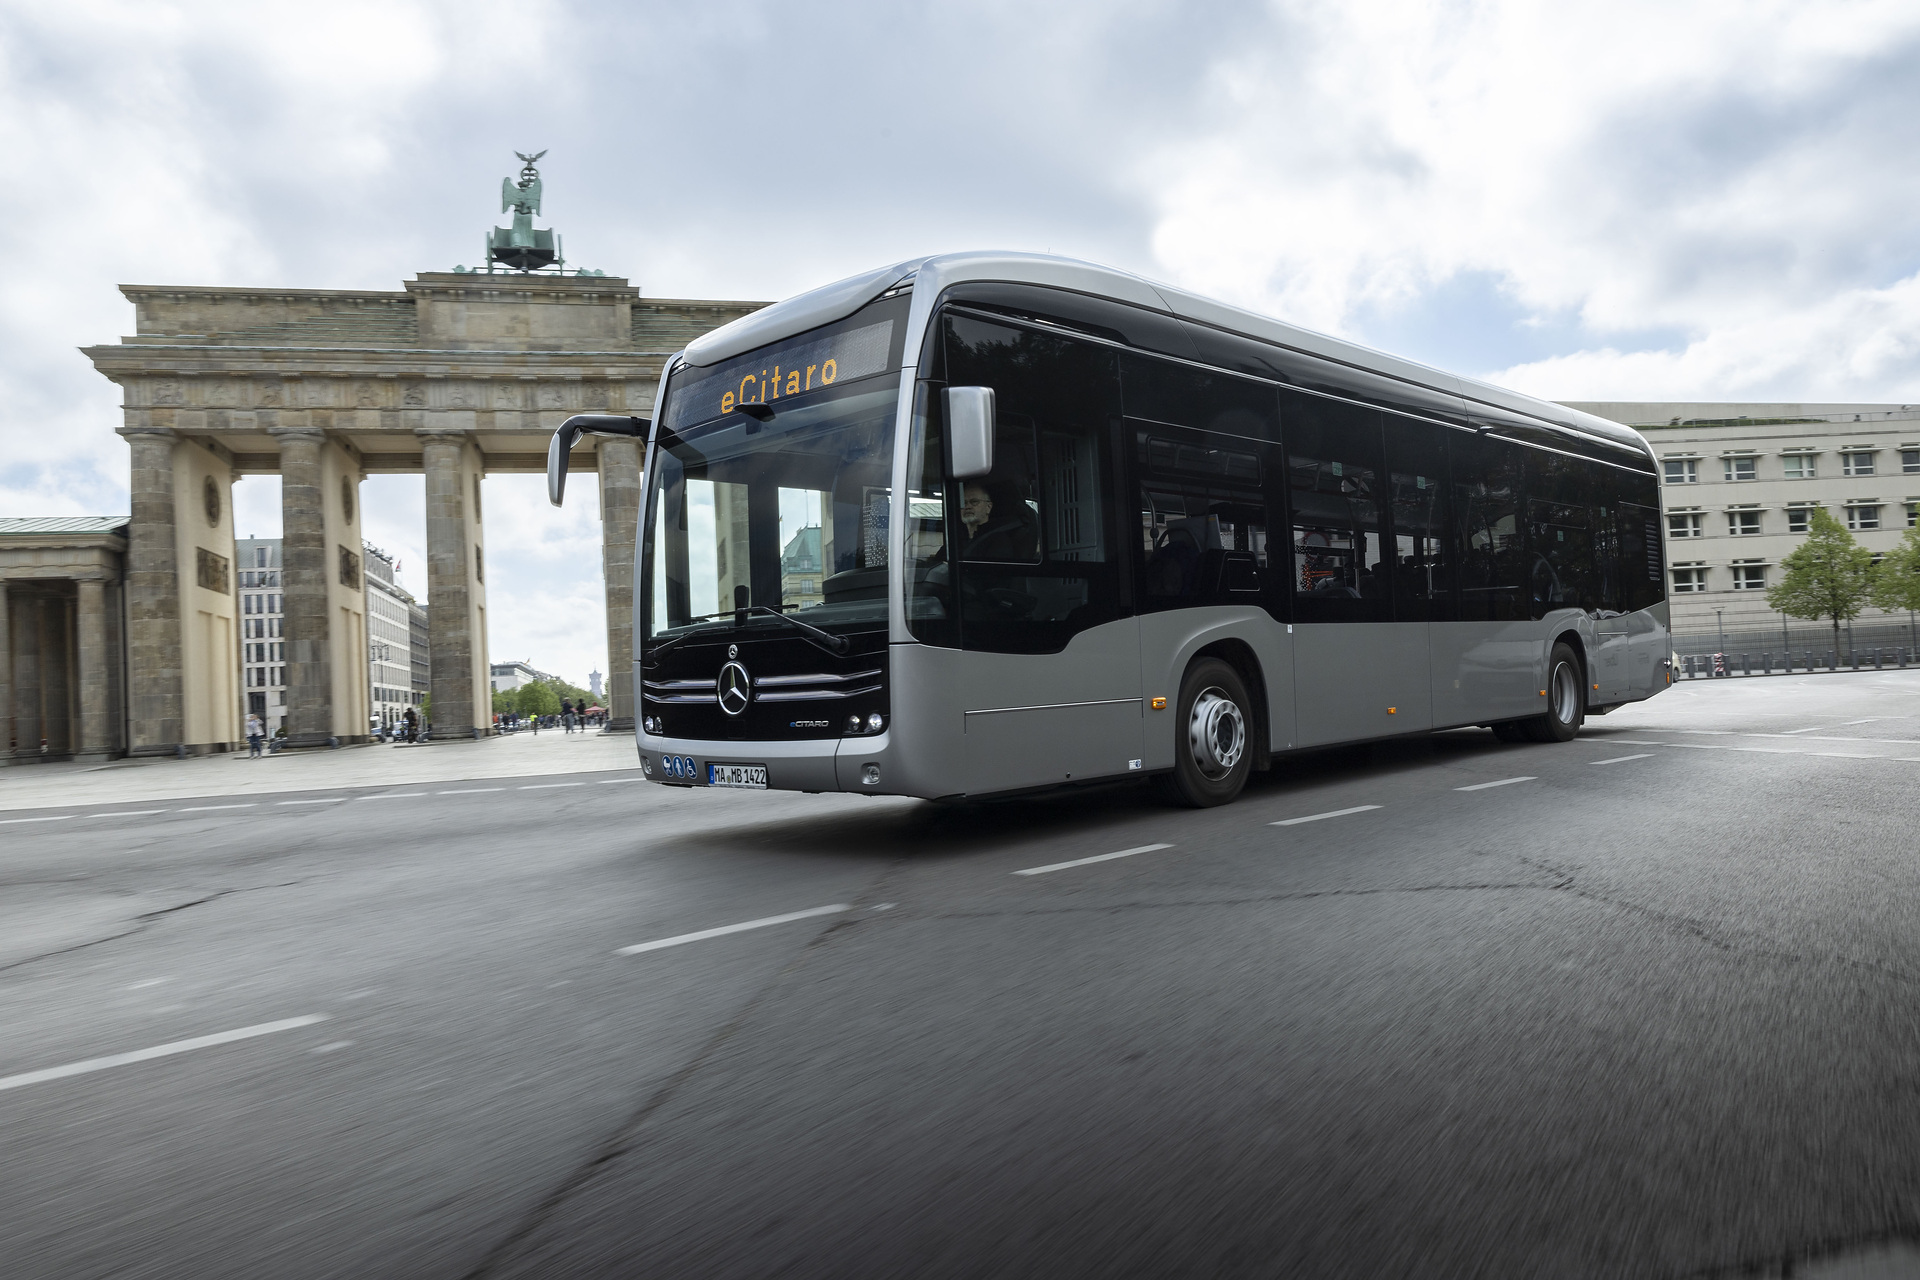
(536, 698)
(502, 702)
(1827, 576)
(1897, 583)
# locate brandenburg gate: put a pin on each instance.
(456, 376)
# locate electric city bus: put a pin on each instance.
(989, 523)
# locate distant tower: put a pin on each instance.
(593, 683)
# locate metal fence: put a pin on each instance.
(1799, 637)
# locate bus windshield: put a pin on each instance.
(788, 512)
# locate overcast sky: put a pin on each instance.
(1618, 201)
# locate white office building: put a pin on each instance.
(263, 646)
(389, 641)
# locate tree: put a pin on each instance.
(536, 698)
(502, 702)
(1896, 585)
(1827, 576)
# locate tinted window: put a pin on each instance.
(1335, 494)
(1561, 566)
(1032, 546)
(1204, 522)
(1416, 467)
(1485, 519)
(1161, 391)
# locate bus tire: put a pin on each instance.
(1566, 707)
(1213, 737)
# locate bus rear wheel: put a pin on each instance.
(1213, 738)
(1566, 706)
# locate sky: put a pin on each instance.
(1628, 201)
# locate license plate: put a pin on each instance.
(753, 776)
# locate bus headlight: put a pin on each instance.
(652, 724)
(874, 722)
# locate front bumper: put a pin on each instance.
(814, 764)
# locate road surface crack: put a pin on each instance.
(141, 923)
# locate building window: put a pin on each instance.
(1747, 468)
(1856, 464)
(1688, 580)
(1685, 525)
(1913, 515)
(1798, 466)
(1743, 524)
(1910, 461)
(1863, 517)
(1683, 470)
(1749, 577)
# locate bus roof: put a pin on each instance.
(932, 275)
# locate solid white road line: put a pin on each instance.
(209, 808)
(158, 1051)
(638, 947)
(1081, 862)
(328, 800)
(544, 786)
(1644, 755)
(468, 791)
(58, 817)
(1315, 817)
(1504, 782)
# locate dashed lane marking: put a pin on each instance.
(547, 786)
(126, 813)
(1316, 817)
(395, 795)
(742, 927)
(1081, 862)
(328, 800)
(1504, 782)
(58, 817)
(158, 1051)
(468, 791)
(209, 808)
(1644, 755)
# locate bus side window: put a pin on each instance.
(1422, 577)
(1485, 516)
(1031, 545)
(1643, 578)
(1561, 571)
(1335, 490)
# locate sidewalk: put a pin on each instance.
(552, 751)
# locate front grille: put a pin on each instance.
(817, 687)
(682, 690)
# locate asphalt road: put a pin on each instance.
(1640, 1004)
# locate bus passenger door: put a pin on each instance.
(1608, 681)
(1050, 661)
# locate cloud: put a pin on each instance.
(1630, 200)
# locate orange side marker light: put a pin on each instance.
(1393, 711)
(1159, 704)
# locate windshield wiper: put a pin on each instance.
(824, 639)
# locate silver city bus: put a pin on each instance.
(995, 522)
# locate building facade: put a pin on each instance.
(263, 645)
(1737, 484)
(63, 657)
(508, 676)
(389, 641)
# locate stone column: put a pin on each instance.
(303, 587)
(619, 523)
(6, 673)
(95, 674)
(454, 577)
(156, 720)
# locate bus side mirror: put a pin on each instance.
(580, 424)
(970, 428)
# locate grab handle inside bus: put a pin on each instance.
(585, 424)
(970, 429)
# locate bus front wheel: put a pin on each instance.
(1213, 737)
(1566, 706)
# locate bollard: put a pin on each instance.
(1831, 664)
(1876, 659)
(1766, 664)
(1746, 666)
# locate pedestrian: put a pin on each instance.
(412, 719)
(256, 734)
(566, 713)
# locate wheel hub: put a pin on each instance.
(1216, 733)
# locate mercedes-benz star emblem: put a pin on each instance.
(735, 687)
